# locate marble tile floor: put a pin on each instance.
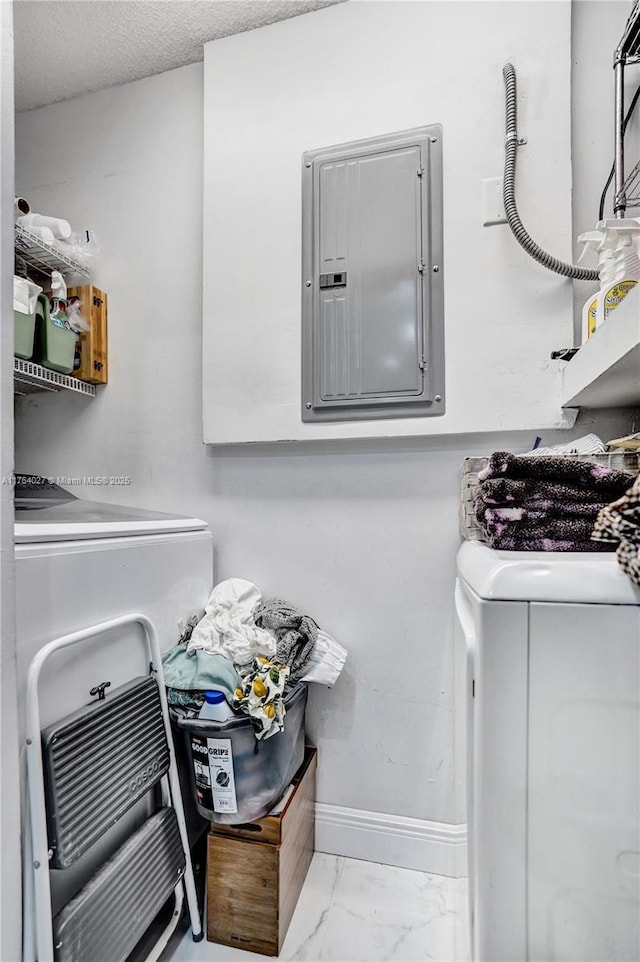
(355, 911)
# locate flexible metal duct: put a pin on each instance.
(509, 192)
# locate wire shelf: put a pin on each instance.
(30, 378)
(44, 257)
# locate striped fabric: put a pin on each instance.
(589, 444)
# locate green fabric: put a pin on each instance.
(199, 671)
(192, 701)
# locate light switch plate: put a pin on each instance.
(492, 202)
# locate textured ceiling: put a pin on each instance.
(68, 47)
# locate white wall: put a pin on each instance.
(362, 535)
(358, 70)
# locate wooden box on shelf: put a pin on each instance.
(94, 365)
(256, 871)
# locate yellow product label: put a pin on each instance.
(615, 296)
(591, 317)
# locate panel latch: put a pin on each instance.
(333, 280)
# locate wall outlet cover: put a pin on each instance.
(492, 202)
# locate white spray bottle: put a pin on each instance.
(622, 270)
(604, 244)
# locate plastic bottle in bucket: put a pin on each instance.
(215, 707)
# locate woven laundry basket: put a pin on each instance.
(469, 527)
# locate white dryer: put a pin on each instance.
(553, 752)
(80, 563)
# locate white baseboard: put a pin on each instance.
(414, 843)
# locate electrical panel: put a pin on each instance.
(372, 279)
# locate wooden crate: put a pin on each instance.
(256, 871)
(94, 365)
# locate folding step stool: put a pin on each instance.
(83, 774)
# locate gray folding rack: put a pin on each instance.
(84, 773)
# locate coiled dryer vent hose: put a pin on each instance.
(509, 191)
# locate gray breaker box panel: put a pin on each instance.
(105, 920)
(98, 762)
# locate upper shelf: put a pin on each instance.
(605, 373)
(43, 256)
(31, 378)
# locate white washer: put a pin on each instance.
(80, 564)
(553, 752)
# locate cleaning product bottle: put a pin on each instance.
(592, 240)
(215, 707)
(622, 270)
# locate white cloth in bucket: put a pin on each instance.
(228, 627)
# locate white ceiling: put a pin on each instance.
(64, 48)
